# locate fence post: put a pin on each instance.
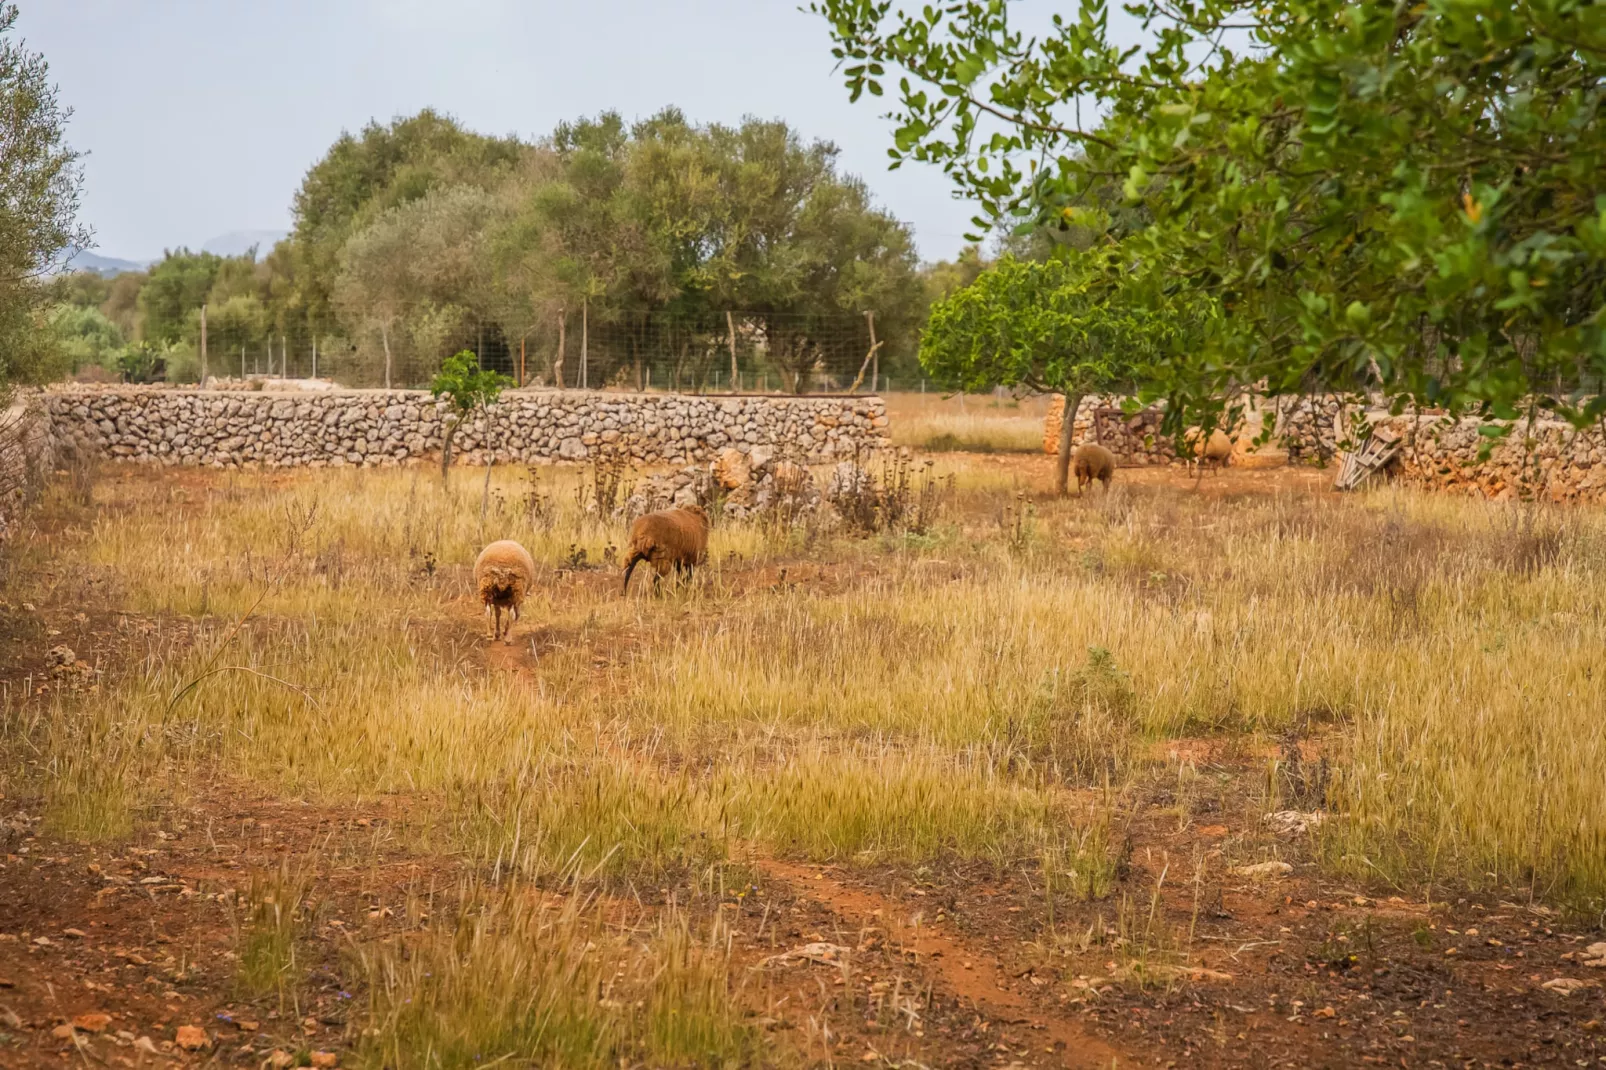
(875, 355)
(585, 342)
(563, 341)
(384, 336)
(315, 356)
(203, 345)
(736, 375)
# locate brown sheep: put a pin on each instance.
(503, 574)
(669, 539)
(1091, 462)
(1215, 450)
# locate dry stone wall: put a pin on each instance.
(1306, 428)
(1549, 461)
(379, 427)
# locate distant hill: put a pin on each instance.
(234, 243)
(239, 242)
(107, 266)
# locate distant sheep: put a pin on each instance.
(669, 539)
(1091, 462)
(503, 575)
(1215, 450)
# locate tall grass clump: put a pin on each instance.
(614, 818)
(897, 806)
(275, 915)
(538, 982)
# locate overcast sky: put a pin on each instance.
(201, 116)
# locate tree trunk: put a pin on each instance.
(557, 366)
(446, 446)
(1062, 467)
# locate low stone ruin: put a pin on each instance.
(737, 485)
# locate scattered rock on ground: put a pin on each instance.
(192, 1038)
(824, 953)
(1294, 822)
(1261, 871)
(732, 469)
(93, 1022)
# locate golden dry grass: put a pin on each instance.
(980, 423)
(898, 698)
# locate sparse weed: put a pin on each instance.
(276, 914)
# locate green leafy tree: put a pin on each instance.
(419, 266)
(1395, 197)
(1050, 327)
(81, 289)
(815, 248)
(235, 325)
(468, 389)
(86, 337)
(942, 278)
(687, 221)
(39, 185)
(172, 296)
(121, 305)
(364, 175)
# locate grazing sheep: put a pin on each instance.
(1216, 450)
(669, 539)
(503, 574)
(1092, 462)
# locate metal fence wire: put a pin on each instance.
(588, 348)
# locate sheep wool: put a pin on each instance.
(1092, 462)
(503, 574)
(670, 539)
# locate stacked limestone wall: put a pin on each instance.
(377, 427)
(1306, 428)
(1134, 438)
(1549, 461)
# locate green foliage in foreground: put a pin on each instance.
(1054, 326)
(1405, 198)
(469, 389)
(1045, 326)
(39, 184)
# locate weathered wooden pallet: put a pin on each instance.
(1374, 454)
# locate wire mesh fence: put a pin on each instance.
(731, 351)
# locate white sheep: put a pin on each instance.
(503, 574)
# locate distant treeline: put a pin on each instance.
(660, 245)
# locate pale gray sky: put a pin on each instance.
(201, 116)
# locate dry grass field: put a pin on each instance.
(967, 423)
(992, 793)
